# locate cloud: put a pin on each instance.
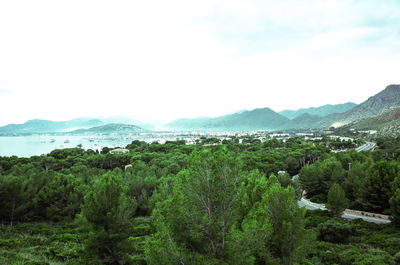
(168, 59)
(5, 91)
(256, 26)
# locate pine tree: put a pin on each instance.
(337, 201)
(107, 214)
(195, 221)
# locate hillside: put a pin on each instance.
(377, 122)
(304, 121)
(118, 128)
(188, 123)
(387, 123)
(311, 118)
(385, 100)
(321, 111)
(47, 126)
(257, 119)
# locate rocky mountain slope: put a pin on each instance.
(387, 99)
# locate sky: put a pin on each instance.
(163, 60)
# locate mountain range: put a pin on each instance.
(323, 117)
(46, 126)
(322, 111)
(380, 112)
(80, 126)
(262, 119)
(257, 119)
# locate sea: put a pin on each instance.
(36, 145)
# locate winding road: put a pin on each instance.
(349, 216)
(346, 215)
(365, 147)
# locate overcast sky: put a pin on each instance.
(171, 59)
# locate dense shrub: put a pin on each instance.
(335, 232)
(397, 258)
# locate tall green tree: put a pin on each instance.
(107, 215)
(15, 196)
(61, 197)
(199, 214)
(353, 184)
(337, 201)
(316, 179)
(249, 237)
(378, 185)
(289, 237)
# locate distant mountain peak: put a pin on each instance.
(392, 87)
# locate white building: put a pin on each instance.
(119, 151)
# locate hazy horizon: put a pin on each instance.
(154, 121)
(184, 59)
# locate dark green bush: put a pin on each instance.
(316, 217)
(388, 242)
(397, 258)
(335, 232)
(320, 198)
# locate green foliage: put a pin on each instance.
(289, 237)
(41, 243)
(317, 178)
(251, 192)
(337, 201)
(335, 232)
(253, 219)
(363, 242)
(397, 258)
(378, 189)
(200, 211)
(249, 237)
(62, 197)
(15, 195)
(395, 208)
(107, 215)
(353, 184)
(209, 217)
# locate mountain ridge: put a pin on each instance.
(321, 111)
(256, 119)
(248, 120)
(267, 119)
(373, 106)
(118, 128)
(48, 126)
